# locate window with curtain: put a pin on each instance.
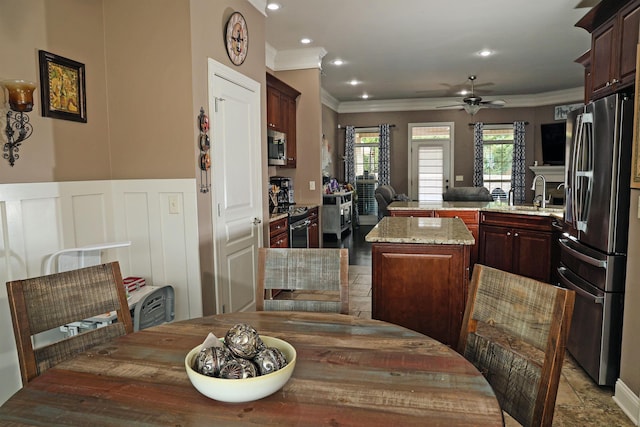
(497, 159)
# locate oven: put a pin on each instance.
(299, 223)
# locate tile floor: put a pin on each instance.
(580, 403)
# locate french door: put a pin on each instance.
(430, 160)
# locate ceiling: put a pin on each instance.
(408, 49)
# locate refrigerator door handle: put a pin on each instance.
(585, 170)
(577, 142)
(582, 257)
(577, 289)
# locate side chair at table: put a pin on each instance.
(43, 303)
(514, 331)
(311, 280)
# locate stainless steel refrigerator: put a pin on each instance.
(594, 244)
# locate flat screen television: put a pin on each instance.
(553, 143)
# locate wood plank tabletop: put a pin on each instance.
(349, 371)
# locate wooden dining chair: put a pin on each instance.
(514, 331)
(292, 279)
(43, 303)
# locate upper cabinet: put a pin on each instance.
(611, 64)
(281, 114)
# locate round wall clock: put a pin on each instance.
(237, 38)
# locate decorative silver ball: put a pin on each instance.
(269, 360)
(243, 341)
(236, 369)
(211, 359)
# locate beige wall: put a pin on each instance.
(629, 371)
(208, 18)
(463, 134)
(149, 88)
(332, 134)
(308, 135)
(58, 150)
(146, 68)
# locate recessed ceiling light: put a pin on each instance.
(354, 82)
(365, 96)
(485, 52)
(464, 92)
(338, 62)
(305, 40)
(273, 6)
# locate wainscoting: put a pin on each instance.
(159, 217)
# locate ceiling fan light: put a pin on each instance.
(471, 109)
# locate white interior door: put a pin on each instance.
(234, 104)
(430, 160)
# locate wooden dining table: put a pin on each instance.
(349, 371)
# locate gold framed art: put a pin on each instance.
(62, 88)
(635, 162)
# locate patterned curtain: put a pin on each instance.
(384, 159)
(518, 174)
(478, 168)
(350, 167)
(349, 164)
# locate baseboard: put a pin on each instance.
(627, 401)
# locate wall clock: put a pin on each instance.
(237, 38)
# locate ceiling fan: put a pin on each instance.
(472, 103)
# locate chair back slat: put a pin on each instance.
(515, 331)
(43, 303)
(318, 277)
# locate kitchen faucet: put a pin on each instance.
(544, 190)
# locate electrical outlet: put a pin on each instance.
(174, 204)
(312, 185)
(459, 178)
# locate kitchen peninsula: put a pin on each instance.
(420, 274)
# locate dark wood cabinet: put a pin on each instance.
(471, 219)
(614, 37)
(520, 244)
(279, 233)
(281, 114)
(314, 228)
(421, 287)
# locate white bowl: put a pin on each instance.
(248, 389)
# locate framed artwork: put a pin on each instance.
(635, 163)
(62, 88)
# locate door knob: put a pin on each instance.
(256, 221)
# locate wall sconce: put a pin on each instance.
(20, 102)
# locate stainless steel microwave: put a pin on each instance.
(277, 147)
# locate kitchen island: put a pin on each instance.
(420, 274)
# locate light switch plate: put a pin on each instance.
(312, 185)
(174, 204)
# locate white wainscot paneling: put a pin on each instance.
(39, 219)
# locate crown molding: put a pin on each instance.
(270, 56)
(419, 104)
(297, 59)
(327, 99)
(261, 5)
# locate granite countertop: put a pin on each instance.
(438, 231)
(555, 211)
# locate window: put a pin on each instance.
(497, 159)
(431, 146)
(366, 149)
